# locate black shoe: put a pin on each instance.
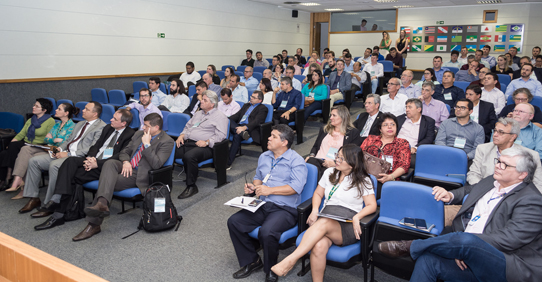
(245, 135)
(246, 270)
(50, 223)
(395, 249)
(49, 207)
(188, 192)
(228, 167)
(271, 277)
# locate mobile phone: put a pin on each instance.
(255, 202)
(409, 221)
(421, 224)
(55, 150)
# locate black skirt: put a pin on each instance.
(347, 229)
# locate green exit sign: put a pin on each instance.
(161, 35)
(440, 22)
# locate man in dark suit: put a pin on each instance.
(246, 123)
(414, 127)
(497, 232)
(366, 122)
(485, 116)
(80, 170)
(149, 149)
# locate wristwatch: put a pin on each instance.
(207, 143)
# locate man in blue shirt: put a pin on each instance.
(286, 102)
(249, 81)
(447, 92)
(246, 123)
(530, 135)
(525, 81)
(437, 63)
(280, 178)
(158, 96)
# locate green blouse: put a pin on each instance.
(384, 43)
(59, 132)
(40, 132)
(320, 92)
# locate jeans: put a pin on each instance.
(316, 105)
(435, 259)
(374, 85)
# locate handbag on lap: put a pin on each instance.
(374, 164)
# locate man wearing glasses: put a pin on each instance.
(408, 88)
(522, 95)
(144, 106)
(393, 103)
(481, 80)
(249, 81)
(530, 135)
(497, 233)
(505, 133)
(461, 132)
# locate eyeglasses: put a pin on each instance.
(388, 84)
(462, 108)
(521, 99)
(484, 72)
(338, 159)
(36, 106)
(502, 165)
(247, 71)
(521, 112)
(501, 132)
(144, 95)
(253, 97)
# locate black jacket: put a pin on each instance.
(256, 117)
(122, 141)
(427, 129)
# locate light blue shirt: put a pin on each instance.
(411, 91)
(532, 84)
(290, 169)
(251, 83)
(158, 97)
(349, 68)
(490, 60)
(531, 137)
(240, 94)
(151, 108)
(450, 130)
(438, 74)
(451, 64)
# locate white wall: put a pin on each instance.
(59, 38)
(460, 15)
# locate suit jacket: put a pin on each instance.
(345, 83)
(486, 118)
(90, 136)
(122, 141)
(483, 164)
(362, 119)
(514, 226)
(352, 136)
(153, 157)
(256, 117)
(426, 134)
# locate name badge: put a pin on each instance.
(460, 142)
(266, 178)
(448, 96)
(518, 142)
(283, 104)
(244, 118)
(473, 220)
(159, 204)
(389, 159)
(331, 153)
(108, 152)
(372, 72)
(311, 94)
(196, 124)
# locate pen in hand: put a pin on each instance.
(246, 185)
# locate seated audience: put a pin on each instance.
(513, 51)
(482, 77)
(431, 107)
(275, 62)
(211, 70)
(503, 206)
(505, 133)
(80, 170)
(339, 83)
(376, 50)
(478, 57)
(144, 106)
(228, 106)
(535, 52)
(195, 143)
(277, 76)
(366, 59)
(538, 63)
(453, 63)
(84, 134)
(367, 122)
(415, 128)
(246, 123)
(286, 102)
(260, 61)
(267, 89)
(269, 75)
(339, 131)
(239, 92)
(330, 65)
(510, 62)
(210, 83)
(285, 56)
(248, 61)
(447, 92)
(289, 72)
(195, 102)
(502, 66)
(407, 87)
(461, 131)
(308, 72)
(301, 60)
(464, 57)
(158, 96)
(292, 63)
(149, 149)
(530, 135)
(486, 57)
(437, 68)
(307, 69)
(393, 102)
(517, 73)
(348, 63)
(227, 77)
(470, 74)
(525, 81)
(190, 77)
(491, 94)
(249, 81)
(315, 92)
(394, 150)
(349, 192)
(397, 61)
(280, 178)
(483, 112)
(358, 77)
(177, 101)
(521, 95)
(428, 75)
(375, 70)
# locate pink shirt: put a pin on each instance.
(334, 140)
(410, 132)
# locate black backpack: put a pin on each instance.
(76, 207)
(152, 220)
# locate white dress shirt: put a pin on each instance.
(496, 97)
(396, 106)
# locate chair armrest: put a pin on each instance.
(265, 133)
(370, 219)
(299, 124)
(325, 109)
(303, 212)
(348, 98)
(408, 175)
(220, 160)
(163, 174)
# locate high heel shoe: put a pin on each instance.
(16, 188)
(19, 196)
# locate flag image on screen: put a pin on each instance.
(442, 29)
(429, 29)
(455, 48)
(499, 48)
(501, 28)
(471, 48)
(442, 38)
(472, 28)
(407, 30)
(429, 39)
(472, 38)
(457, 38)
(485, 38)
(500, 38)
(418, 30)
(441, 48)
(416, 48)
(416, 39)
(457, 29)
(515, 38)
(516, 28)
(429, 48)
(485, 28)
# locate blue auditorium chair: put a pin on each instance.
(117, 97)
(504, 78)
(221, 74)
(62, 101)
(224, 67)
(136, 86)
(299, 121)
(462, 84)
(176, 123)
(165, 115)
(257, 76)
(241, 69)
(325, 107)
(452, 69)
(107, 113)
(81, 105)
(99, 95)
(440, 165)
(12, 121)
(191, 91)
(259, 69)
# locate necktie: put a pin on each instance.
(365, 130)
(135, 160)
(78, 137)
(111, 144)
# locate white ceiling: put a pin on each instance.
(359, 5)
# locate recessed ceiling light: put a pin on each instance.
(334, 10)
(490, 2)
(309, 4)
(386, 1)
(404, 6)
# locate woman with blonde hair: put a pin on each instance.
(385, 44)
(402, 44)
(502, 66)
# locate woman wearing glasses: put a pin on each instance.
(338, 132)
(521, 95)
(347, 192)
(429, 75)
(34, 131)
